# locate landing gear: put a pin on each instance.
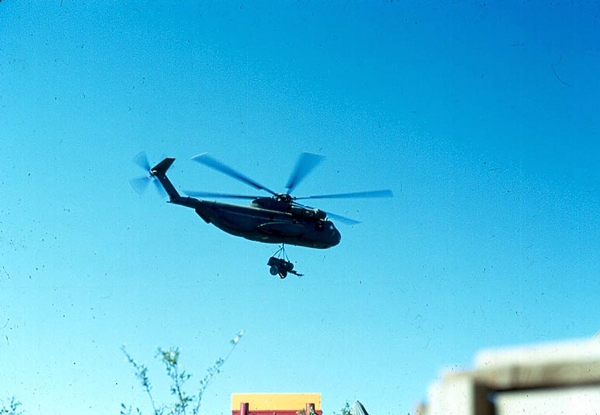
(280, 264)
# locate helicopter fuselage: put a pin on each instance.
(266, 220)
(298, 226)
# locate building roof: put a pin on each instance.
(275, 401)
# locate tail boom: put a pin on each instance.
(160, 172)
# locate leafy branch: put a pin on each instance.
(12, 408)
(346, 409)
(178, 377)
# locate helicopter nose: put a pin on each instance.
(337, 236)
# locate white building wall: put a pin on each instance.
(557, 378)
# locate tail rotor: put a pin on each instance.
(140, 184)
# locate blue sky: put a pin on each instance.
(481, 117)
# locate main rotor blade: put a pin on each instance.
(218, 195)
(305, 164)
(333, 216)
(207, 160)
(357, 195)
(342, 219)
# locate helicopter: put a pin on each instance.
(274, 219)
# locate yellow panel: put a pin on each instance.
(275, 401)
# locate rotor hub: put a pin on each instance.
(284, 197)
